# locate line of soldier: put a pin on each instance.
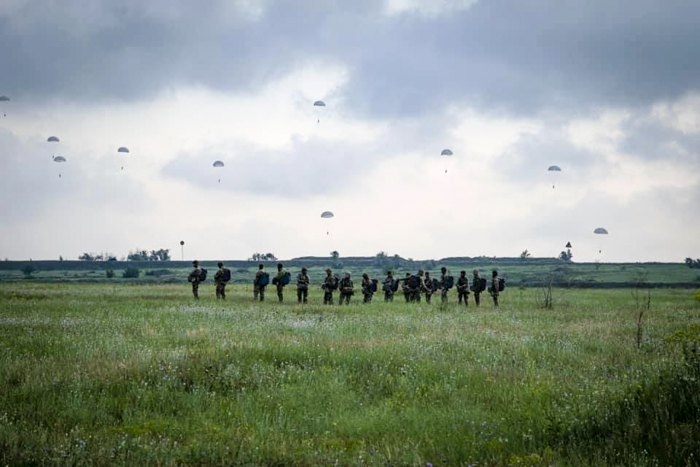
(413, 286)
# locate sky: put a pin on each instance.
(607, 91)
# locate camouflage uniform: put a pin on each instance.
(463, 288)
(443, 284)
(388, 287)
(220, 282)
(330, 283)
(427, 286)
(302, 286)
(405, 288)
(278, 281)
(367, 286)
(493, 290)
(194, 278)
(346, 289)
(476, 286)
(259, 290)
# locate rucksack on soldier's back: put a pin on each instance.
(413, 282)
(226, 275)
(286, 277)
(501, 284)
(202, 275)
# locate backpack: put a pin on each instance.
(501, 284)
(202, 275)
(264, 279)
(413, 282)
(449, 282)
(286, 277)
(226, 276)
(373, 285)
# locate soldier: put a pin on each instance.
(493, 290)
(330, 283)
(367, 288)
(260, 283)
(389, 287)
(477, 287)
(222, 276)
(302, 286)
(445, 284)
(406, 288)
(194, 278)
(346, 289)
(417, 286)
(427, 287)
(278, 281)
(463, 288)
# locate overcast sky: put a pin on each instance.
(607, 90)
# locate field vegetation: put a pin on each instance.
(139, 373)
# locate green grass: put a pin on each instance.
(142, 374)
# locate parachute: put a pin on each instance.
(446, 152)
(4, 99)
(327, 215)
(600, 231)
(218, 164)
(59, 159)
(53, 139)
(319, 104)
(568, 245)
(124, 150)
(553, 169)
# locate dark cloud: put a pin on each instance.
(518, 56)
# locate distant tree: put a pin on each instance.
(525, 254)
(270, 257)
(692, 263)
(335, 255)
(60, 258)
(381, 259)
(28, 270)
(86, 257)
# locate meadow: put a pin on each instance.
(141, 374)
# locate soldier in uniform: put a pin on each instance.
(427, 287)
(367, 291)
(220, 282)
(388, 287)
(346, 289)
(330, 283)
(259, 289)
(444, 286)
(463, 288)
(278, 281)
(302, 286)
(194, 277)
(406, 288)
(493, 290)
(416, 291)
(476, 286)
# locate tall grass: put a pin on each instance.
(143, 374)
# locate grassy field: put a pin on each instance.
(134, 374)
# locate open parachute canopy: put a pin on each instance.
(554, 168)
(319, 104)
(327, 214)
(53, 139)
(123, 149)
(218, 164)
(600, 231)
(4, 99)
(59, 159)
(446, 152)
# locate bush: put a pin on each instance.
(131, 273)
(109, 273)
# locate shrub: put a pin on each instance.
(131, 273)
(109, 273)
